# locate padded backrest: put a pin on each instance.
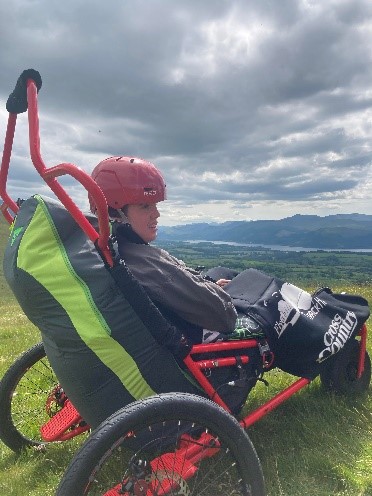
(96, 340)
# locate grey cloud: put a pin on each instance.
(201, 86)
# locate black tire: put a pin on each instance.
(24, 390)
(340, 375)
(155, 425)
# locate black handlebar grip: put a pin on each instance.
(17, 101)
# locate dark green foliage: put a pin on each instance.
(318, 268)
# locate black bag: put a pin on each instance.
(302, 330)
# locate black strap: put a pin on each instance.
(163, 332)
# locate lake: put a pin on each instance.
(279, 247)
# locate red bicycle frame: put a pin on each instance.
(49, 175)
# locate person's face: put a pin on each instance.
(143, 219)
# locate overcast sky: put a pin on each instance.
(254, 109)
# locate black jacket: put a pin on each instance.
(174, 287)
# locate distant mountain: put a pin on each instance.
(342, 231)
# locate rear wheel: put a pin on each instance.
(340, 375)
(29, 395)
(175, 443)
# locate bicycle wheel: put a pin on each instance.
(174, 443)
(24, 392)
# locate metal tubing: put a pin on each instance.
(273, 403)
(8, 144)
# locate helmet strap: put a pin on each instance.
(118, 215)
(123, 217)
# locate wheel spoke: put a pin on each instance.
(136, 453)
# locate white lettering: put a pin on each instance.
(337, 335)
(318, 304)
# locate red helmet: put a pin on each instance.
(128, 181)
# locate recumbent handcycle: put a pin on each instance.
(175, 441)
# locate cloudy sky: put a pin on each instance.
(252, 109)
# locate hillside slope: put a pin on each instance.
(349, 231)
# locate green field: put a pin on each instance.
(315, 444)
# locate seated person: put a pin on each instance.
(133, 187)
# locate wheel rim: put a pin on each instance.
(28, 400)
(167, 464)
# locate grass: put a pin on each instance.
(315, 444)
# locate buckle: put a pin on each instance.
(266, 354)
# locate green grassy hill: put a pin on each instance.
(4, 234)
(315, 444)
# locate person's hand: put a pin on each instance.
(222, 282)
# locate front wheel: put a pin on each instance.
(174, 444)
(340, 375)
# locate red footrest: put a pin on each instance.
(56, 428)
